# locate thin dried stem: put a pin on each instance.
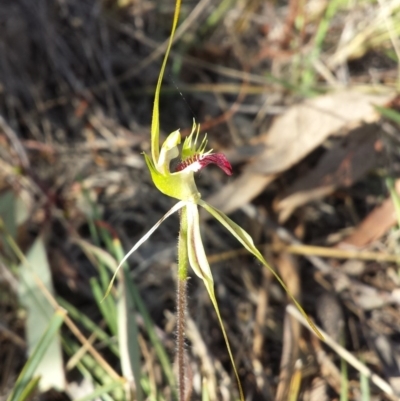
(347, 356)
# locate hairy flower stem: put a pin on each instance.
(183, 262)
(180, 338)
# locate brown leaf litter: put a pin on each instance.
(295, 134)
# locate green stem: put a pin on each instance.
(183, 262)
(183, 257)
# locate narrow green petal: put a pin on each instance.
(198, 262)
(155, 121)
(174, 209)
(244, 238)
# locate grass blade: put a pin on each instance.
(106, 306)
(389, 113)
(128, 336)
(36, 359)
(100, 391)
(89, 325)
(93, 371)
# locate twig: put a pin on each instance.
(311, 250)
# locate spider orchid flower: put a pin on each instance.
(180, 184)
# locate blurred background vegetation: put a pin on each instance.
(301, 96)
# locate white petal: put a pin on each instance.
(197, 256)
(169, 151)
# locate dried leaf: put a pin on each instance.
(294, 135)
(341, 166)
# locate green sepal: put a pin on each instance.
(245, 239)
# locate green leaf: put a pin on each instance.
(344, 381)
(245, 239)
(154, 339)
(101, 259)
(8, 213)
(101, 391)
(92, 370)
(106, 306)
(25, 383)
(389, 113)
(198, 262)
(365, 387)
(115, 247)
(35, 282)
(89, 325)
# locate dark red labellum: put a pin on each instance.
(204, 160)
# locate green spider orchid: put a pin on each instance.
(180, 184)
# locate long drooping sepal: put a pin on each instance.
(174, 209)
(155, 121)
(198, 262)
(245, 239)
